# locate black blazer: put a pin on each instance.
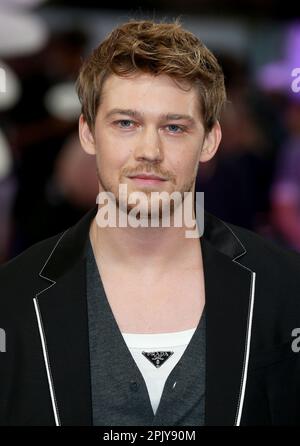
(252, 306)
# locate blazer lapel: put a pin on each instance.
(61, 311)
(230, 288)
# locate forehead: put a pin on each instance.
(149, 93)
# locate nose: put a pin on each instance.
(149, 147)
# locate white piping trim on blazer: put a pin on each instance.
(43, 337)
(248, 336)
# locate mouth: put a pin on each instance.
(145, 179)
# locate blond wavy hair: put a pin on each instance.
(155, 48)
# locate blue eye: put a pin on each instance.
(124, 123)
(174, 128)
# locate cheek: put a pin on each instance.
(192, 162)
(185, 163)
(113, 153)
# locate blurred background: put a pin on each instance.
(47, 182)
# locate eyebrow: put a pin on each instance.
(137, 114)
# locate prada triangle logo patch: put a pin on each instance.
(157, 358)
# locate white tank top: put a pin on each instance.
(156, 355)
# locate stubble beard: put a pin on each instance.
(124, 206)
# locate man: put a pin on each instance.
(142, 325)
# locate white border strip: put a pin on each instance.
(247, 352)
(47, 363)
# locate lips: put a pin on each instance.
(147, 177)
(145, 180)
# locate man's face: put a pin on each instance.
(147, 125)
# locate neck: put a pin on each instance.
(145, 248)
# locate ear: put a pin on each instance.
(86, 137)
(211, 143)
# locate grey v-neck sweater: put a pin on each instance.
(119, 392)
